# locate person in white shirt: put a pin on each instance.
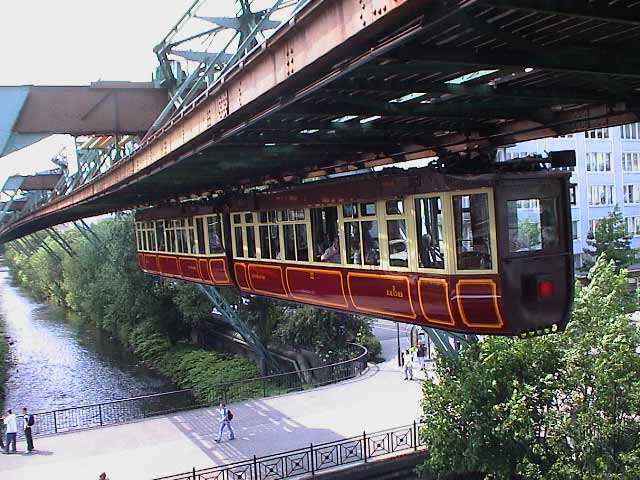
(407, 358)
(225, 421)
(12, 431)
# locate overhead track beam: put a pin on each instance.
(591, 10)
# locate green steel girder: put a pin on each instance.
(230, 316)
(43, 244)
(442, 338)
(87, 232)
(56, 237)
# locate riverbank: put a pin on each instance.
(166, 322)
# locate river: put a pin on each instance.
(58, 361)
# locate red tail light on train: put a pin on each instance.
(545, 288)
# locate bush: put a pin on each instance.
(558, 407)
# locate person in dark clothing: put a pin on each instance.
(27, 429)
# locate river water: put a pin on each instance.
(57, 361)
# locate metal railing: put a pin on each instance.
(314, 459)
(130, 409)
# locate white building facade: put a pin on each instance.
(607, 173)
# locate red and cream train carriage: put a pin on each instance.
(486, 253)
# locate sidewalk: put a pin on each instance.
(378, 400)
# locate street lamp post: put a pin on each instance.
(398, 337)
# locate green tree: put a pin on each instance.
(611, 239)
(558, 407)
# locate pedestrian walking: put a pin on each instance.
(225, 422)
(407, 358)
(12, 431)
(29, 421)
(2, 430)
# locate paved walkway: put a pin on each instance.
(378, 400)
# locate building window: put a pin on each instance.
(593, 224)
(598, 162)
(631, 161)
(573, 194)
(633, 226)
(598, 133)
(575, 229)
(631, 193)
(598, 195)
(568, 135)
(630, 131)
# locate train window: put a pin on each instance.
(324, 231)
(430, 232)
(535, 228)
(291, 215)
(269, 235)
(160, 235)
(193, 245)
(171, 236)
(144, 239)
(473, 231)
(214, 234)
(137, 233)
(295, 235)
(239, 245)
(181, 236)
(251, 241)
(395, 207)
(200, 234)
(151, 236)
(361, 236)
(397, 234)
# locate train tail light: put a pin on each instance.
(545, 288)
(538, 288)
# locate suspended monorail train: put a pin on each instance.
(487, 254)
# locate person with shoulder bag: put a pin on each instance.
(225, 422)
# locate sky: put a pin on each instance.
(72, 42)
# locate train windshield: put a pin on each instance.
(533, 224)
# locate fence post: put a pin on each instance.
(55, 422)
(255, 467)
(194, 473)
(100, 411)
(264, 388)
(364, 446)
(311, 461)
(415, 437)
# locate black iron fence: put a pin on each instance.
(129, 409)
(314, 459)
